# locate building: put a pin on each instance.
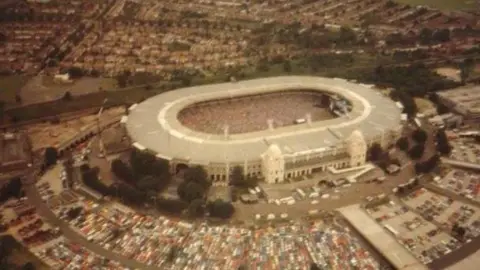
(273, 154)
(464, 101)
(14, 151)
(447, 120)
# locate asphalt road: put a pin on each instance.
(42, 209)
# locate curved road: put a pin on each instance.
(43, 210)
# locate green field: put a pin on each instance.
(446, 5)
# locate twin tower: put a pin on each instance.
(274, 161)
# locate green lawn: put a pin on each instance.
(446, 5)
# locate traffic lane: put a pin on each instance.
(43, 210)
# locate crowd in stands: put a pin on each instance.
(252, 113)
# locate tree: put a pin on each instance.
(67, 96)
(75, 72)
(147, 182)
(466, 68)
(171, 205)
(443, 145)
(2, 110)
(198, 175)
(426, 36)
(287, 66)
(51, 156)
(403, 144)
(196, 209)
(441, 35)
(122, 80)
(428, 165)
(122, 170)
(28, 266)
(220, 209)
(420, 136)
(190, 191)
(417, 151)
(375, 152)
(12, 189)
(237, 177)
(145, 163)
(347, 35)
(74, 212)
(18, 99)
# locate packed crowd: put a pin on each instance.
(252, 113)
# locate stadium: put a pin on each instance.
(274, 128)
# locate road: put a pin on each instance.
(43, 210)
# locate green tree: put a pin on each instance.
(417, 151)
(67, 96)
(221, 209)
(466, 68)
(420, 136)
(426, 36)
(189, 191)
(375, 152)
(403, 144)
(147, 183)
(287, 66)
(196, 208)
(198, 175)
(443, 145)
(51, 156)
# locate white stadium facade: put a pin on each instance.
(273, 154)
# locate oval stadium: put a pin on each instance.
(275, 128)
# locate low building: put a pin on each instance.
(447, 120)
(464, 101)
(14, 151)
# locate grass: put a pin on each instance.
(9, 86)
(445, 5)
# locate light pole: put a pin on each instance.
(99, 114)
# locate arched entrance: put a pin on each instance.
(181, 167)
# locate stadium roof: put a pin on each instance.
(153, 124)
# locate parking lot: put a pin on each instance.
(421, 237)
(169, 243)
(461, 182)
(466, 150)
(446, 211)
(64, 254)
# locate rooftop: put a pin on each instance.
(153, 124)
(465, 98)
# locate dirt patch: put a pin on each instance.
(451, 73)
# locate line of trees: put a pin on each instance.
(419, 136)
(428, 165)
(146, 172)
(443, 145)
